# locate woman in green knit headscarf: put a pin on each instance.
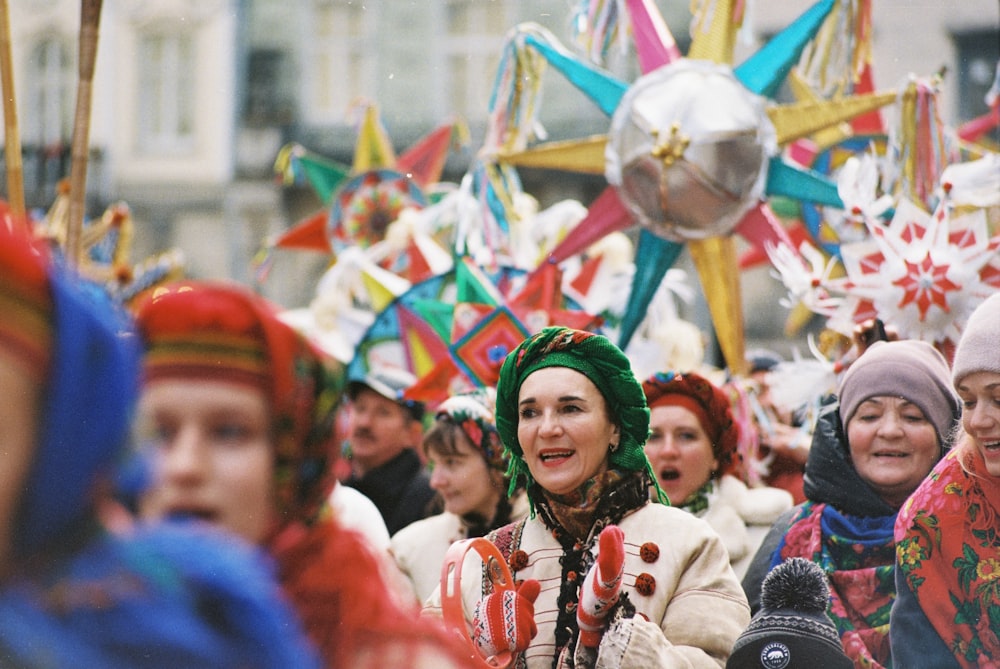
(616, 580)
(600, 361)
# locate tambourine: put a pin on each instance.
(451, 595)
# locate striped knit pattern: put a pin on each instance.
(601, 587)
(224, 356)
(495, 623)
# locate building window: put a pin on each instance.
(47, 127)
(267, 101)
(339, 62)
(49, 88)
(978, 54)
(166, 93)
(472, 43)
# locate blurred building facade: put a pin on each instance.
(194, 98)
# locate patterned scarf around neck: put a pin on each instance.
(858, 555)
(949, 553)
(699, 499)
(576, 520)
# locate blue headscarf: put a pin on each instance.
(163, 597)
(89, 397)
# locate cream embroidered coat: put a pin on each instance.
(691, 618)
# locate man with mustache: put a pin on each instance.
(382, 431)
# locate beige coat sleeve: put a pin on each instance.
(703, 608)
(419, 549)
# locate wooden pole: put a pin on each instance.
(90, 18)
(12, 135)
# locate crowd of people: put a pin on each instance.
(195, 483)
(891, 425)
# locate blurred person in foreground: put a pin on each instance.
(237, 408)
(73, 593)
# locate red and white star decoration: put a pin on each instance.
(923, 273)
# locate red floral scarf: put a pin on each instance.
(857, 555)
(949, 552)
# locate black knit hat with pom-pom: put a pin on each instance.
(791, 630)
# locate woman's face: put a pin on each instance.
(980, 395)
(464, 481)
(893, 446)
(679, 451)
(213, 455)
(564, 428)
(22, 395)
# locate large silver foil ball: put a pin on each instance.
(688, 150)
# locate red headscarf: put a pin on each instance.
(333, 578)
(707, 402)
(221, 331)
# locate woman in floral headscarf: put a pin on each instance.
(467, 464)
(947, 609)
(692, 448)
(896, 411)
(238, 410)
(610, 578)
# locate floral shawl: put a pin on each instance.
(948, 551)
(857, 553)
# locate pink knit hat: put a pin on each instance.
(979, 348)
(911, 369)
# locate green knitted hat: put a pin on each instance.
(602, 362)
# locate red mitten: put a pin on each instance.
(599, 591)
(506, 620)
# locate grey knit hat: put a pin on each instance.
(792, 629)
(979, 348)
(911, 369)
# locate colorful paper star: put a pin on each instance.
(686, 174)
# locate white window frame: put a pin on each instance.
(338, 62)
(467, 92)
(166, 121)
(51, 75)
